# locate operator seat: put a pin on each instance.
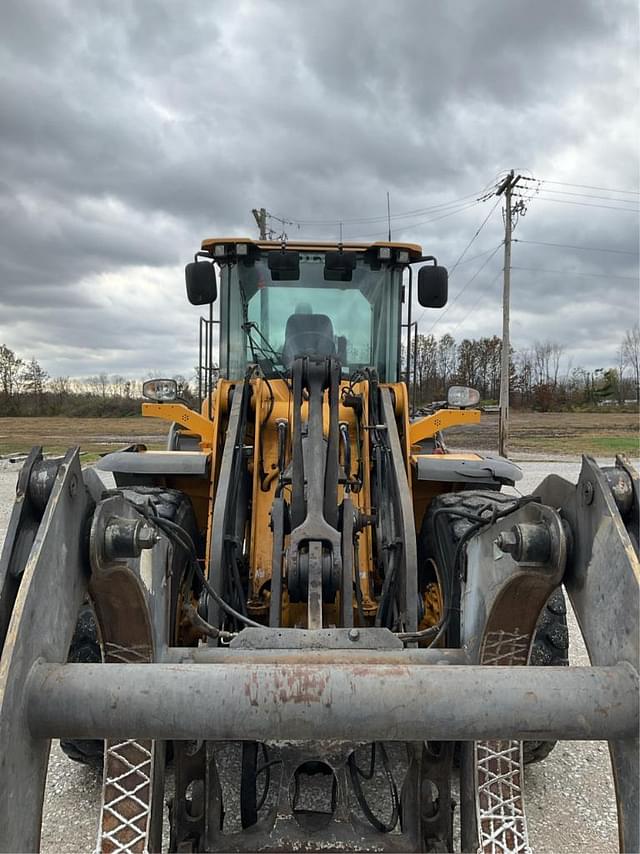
(308, 335)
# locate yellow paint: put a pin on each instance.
(427, 427)
(269, 403)
(414, 249)
(263, 425)
(188, 418)
(432, 602)
(453, 455)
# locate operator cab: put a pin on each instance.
(278, 302)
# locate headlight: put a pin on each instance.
(461, 396)
(160, 390)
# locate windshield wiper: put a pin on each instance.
(270, 354)
(267, 351)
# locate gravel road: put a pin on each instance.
(570, 798)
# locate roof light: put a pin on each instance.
(461, 396)
(403, 256)
(161, 390)
(242, 249)
(219, 250)
(384, 253)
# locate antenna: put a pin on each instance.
(389, 215)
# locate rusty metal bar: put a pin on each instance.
(355, 702)
(329, 657)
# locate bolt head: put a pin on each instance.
(587, 493)
(507, 541)
(354, 634)
(146, 536)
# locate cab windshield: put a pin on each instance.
(271, 322)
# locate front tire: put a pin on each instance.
(438, 543)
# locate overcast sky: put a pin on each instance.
(131, 130)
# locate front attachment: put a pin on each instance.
(45, 559)
(324, 692)
(603, 583)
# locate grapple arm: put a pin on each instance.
(345, 685)
(602, 579)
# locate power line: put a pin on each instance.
(475, 257)
(584, 204)
(583, 186)
(462, 290)
(579, 275)
(479, 229)
(589, 196)
(583, 248)
(477, 302)
(382, 218)
(408, 226)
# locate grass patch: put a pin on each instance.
(617, 444)
(95, 436)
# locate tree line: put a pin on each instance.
(27, 389)
(541, 377)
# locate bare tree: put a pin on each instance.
(35, 379)
(621, 366)
(446, 360)
(631, 346)
(555, 356)
(98, 385)
(11, 367)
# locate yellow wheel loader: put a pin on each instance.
(307, 611)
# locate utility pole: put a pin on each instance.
(260, 217)
(506, 187)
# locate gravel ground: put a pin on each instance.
(570, 798)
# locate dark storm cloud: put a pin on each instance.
(130, 130)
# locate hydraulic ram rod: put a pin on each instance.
(351, 702)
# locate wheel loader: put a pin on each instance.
(307, 625)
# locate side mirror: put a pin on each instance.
(202, 288)
(433, 286)
(284, 266)
(339, 266)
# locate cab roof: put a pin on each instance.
(414, 250)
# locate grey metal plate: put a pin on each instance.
(316, 639)
(156, 462)
(487, 470)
